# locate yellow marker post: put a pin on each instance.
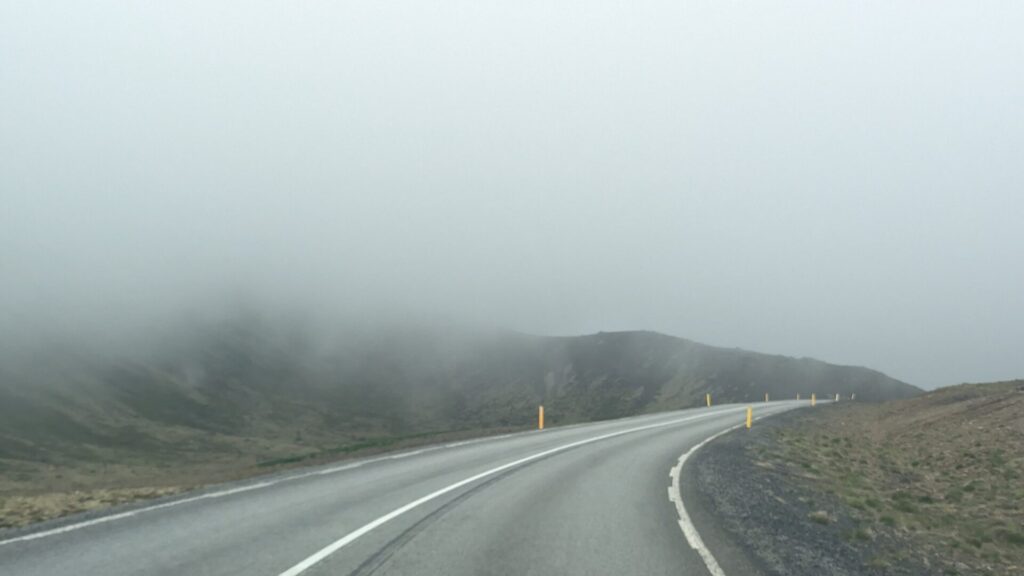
(708, 398)
(540, 418)
(814, 398)
(765, 396)
(750, 416)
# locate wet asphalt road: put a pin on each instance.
(583, 500)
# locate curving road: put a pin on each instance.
(588, 500)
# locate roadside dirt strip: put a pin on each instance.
(760, 519)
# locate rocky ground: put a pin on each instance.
(929, 485)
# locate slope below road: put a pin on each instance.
(587, 499)
(928, 485)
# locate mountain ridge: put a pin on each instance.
(233, 396)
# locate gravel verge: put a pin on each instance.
(762, 517)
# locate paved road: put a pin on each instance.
(587, 500)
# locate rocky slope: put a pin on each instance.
(927, 485)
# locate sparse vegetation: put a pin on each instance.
(250, 396)
(819, 517)
(21, 510)
(937, 473)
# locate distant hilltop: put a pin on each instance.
(265, 391)
(247, 377)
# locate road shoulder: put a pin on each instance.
(759, 519)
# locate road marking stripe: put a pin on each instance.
(131, 513)
(685, 523)
(356, 534)
(238, 490)
(241, 489)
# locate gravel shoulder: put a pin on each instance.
(928, 485)
(759, 517)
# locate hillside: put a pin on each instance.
(926, 485)
(232, 399)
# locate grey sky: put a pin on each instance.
(840, 180)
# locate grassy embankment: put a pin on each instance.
(100, 485)
(942, 474)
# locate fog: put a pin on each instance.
(836, 180)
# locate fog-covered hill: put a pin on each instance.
(286, 384)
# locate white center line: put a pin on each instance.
(366, 528)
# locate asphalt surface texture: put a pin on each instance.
(582, 500)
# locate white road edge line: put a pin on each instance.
(685, 524)
(238, 490)
(366, 528)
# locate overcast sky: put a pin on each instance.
(843, 180)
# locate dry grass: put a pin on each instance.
(944, 472)
(22, 510)
(32, 492)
